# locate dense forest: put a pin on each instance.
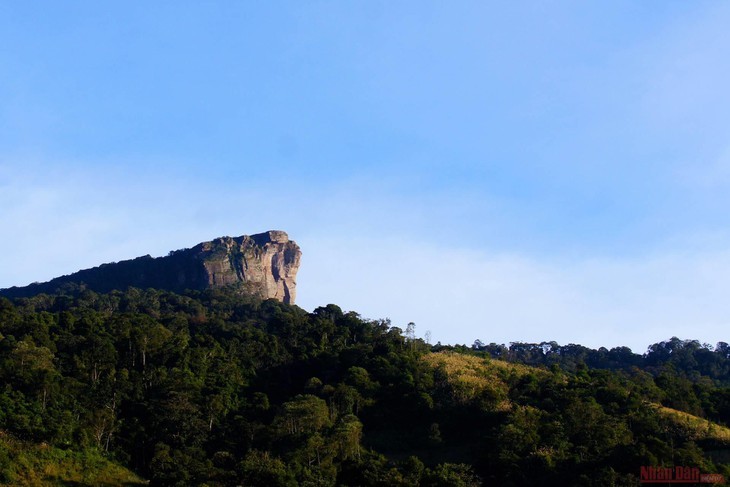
(214, 388)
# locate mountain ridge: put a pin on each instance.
(263, 264)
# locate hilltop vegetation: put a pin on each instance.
(212, 388)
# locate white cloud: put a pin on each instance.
(63, 219)
(463, 295)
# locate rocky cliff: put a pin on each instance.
(265, 264)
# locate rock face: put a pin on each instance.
(264, 264)
(268, 261)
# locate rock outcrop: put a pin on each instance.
(264, 264)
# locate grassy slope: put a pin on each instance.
(27, 464)
(695, 427)
(470, 375)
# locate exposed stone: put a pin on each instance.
(265, 264)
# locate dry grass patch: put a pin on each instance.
(28, 464)
(694, 427)
(470, 377)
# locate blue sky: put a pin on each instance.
(507, 171)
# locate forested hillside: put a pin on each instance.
(212, 388)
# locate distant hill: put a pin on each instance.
(264, 264)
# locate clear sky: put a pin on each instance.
(502, 171)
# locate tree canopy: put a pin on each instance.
(209, 388)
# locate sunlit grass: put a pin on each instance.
(471, 377)
(694, 427)
(27, 464)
